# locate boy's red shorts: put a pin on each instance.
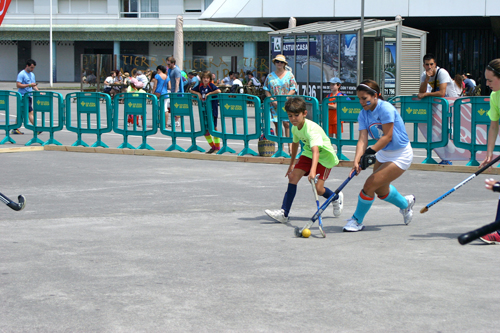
(305, 163)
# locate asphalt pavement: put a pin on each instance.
(130, 243)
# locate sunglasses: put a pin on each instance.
(279, 62)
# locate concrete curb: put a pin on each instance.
(230, 158)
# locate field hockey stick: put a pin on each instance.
(426, 208)
(320, 222)
(333, 197)
(12, 204)
(480, 232)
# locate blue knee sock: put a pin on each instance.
(395, 198)
(288, 199)
(364, 204)
(327, 193)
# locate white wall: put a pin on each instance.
(8, 54)
(40, 53)
(65, 55)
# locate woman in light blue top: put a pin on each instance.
(391, 155)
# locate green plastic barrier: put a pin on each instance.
(135, 104)
(233, 107)
(421, 112)
(478, 108)
(348, 109)
(86, 105)
(44, 104)
(181, 105)
(279, 136)
(6, 99)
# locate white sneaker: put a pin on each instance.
(338, 205)
(408, 211)
(277, 214)
(353, 225)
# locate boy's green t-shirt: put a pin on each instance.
(312, 135)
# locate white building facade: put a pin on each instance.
(142, 29)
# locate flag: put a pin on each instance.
(4, 5)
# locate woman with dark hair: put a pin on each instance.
(160, 86)
(391, 155)
(492, 76)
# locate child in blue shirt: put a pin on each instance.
(203, 90)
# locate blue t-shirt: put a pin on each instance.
(384, 113)
(194, 80)
(161, 85)
(204, 90)
(25, 78)
(174, 74)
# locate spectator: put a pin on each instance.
(237, 86)
(135, 87)
(126, 79)
(117, 79)
(280, 82)
(194, 80)
(160, 87)
(438, 78)
(214, 79)
(263, 78)
(203, 90)
(470, 84)
(228, 80)
(176, 85)
(332, 107)
(459, 85)
(142, 78)
(440, 82)
(26, 83)
(252, 81)
(107, 83)
(91, 78)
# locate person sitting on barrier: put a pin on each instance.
(280, 82)
(203, 90)
(237, 87)
(160, 88)
(391, 155)
(332, 107)
(492, 76)
(135, 87)
(318, 158)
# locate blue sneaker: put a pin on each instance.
(445, 162)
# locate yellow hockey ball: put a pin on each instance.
(306, 233)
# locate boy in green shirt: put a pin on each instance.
(318, 157)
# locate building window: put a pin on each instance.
(207, 3)
(21, 6)
(192, 6)
(82, 6)
(139, 8)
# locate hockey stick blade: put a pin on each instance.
(14, 205)
(480, 232)
(328, 201)
(426, 208)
